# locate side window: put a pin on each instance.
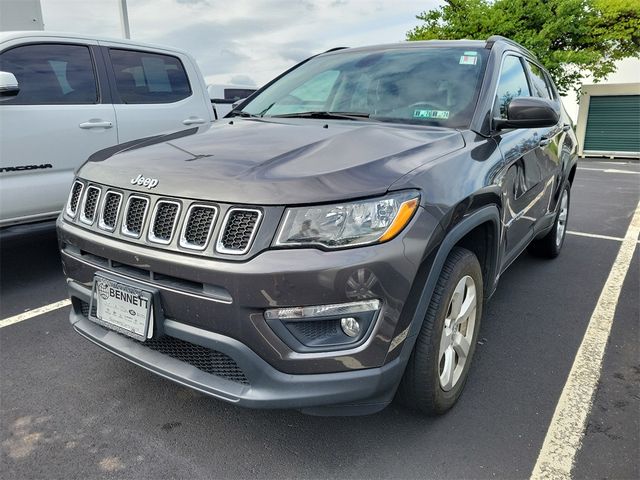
(512, 84)
(237, 93)
(550, 86)
(51, 74)
(144, 77)
(539, 85)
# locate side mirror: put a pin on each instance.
(529, 112)
(8, 86)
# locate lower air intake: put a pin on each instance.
(203, 358)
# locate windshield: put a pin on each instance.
(425, 86)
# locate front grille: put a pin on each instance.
(159, 221)
(205, 359)
(197, 229)
(164, 221)
(110, 211)
(74, 198)
(90, 205)
(238, 230)
(134, 216)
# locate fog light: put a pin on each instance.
(350, 326)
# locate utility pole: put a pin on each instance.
(124, 19)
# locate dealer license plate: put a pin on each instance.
(123, 308)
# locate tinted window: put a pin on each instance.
(425, 86)
(51, 74)
(143, 77)
(539, 85)
(512, 84)
(237, 93)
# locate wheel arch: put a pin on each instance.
(465, 233)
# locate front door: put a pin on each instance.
(50, 128)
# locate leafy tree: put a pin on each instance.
(572, 38)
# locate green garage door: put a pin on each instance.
(613, 124)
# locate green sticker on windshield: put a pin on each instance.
(437, 114)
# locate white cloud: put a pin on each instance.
(250, 39)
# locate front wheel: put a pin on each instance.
(550, 245)
(439, 364)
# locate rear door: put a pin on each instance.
(155, 92)
(550, 141)
(56, 121)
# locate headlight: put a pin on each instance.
(348, 224)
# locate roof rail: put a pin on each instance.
(495, 38)
(334, 49)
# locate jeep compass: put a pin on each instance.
(331, 243)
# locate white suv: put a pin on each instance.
(66, 96)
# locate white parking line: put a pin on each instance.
(610, 170)
(33, 313)
(594, 235)
(565, 433)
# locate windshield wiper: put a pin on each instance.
(325, 115)
(240, 113)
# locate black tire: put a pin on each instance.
(421, 388)
(551, 244)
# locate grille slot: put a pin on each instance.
(205, 359)
(74, 198)
(198, 227)
(135, 214)
(110, 210)
(238, 230)
(90, 205)
(163, 222)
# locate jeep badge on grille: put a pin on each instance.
(144, 181)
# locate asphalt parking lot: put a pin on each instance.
(70, 410)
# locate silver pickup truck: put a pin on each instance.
(66, 96)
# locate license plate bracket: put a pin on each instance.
(123, 306)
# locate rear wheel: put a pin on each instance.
(439, 364)
(550, 245)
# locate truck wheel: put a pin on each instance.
(550, 245)
(439, 364)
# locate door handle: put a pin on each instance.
(544, 142)
(94, 124)
(193, 121)
(566, 127)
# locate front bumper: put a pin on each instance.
(225, 315)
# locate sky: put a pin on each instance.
(249, 42)
(243, 42)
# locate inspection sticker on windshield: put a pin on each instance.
(469, 58)
(437, 114)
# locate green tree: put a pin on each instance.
(572, 38)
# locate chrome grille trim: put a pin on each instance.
(220, 248)
(125, 228)
(184, 243)
(101, 223)
(152, 224)
(71, 211)
(84, 218)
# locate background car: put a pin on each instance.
(65, 96)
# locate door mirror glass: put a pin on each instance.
(529, 112)
(8, 85)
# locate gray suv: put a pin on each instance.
(331, 243)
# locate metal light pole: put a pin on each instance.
(124, 18)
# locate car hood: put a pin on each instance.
(293, 161)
